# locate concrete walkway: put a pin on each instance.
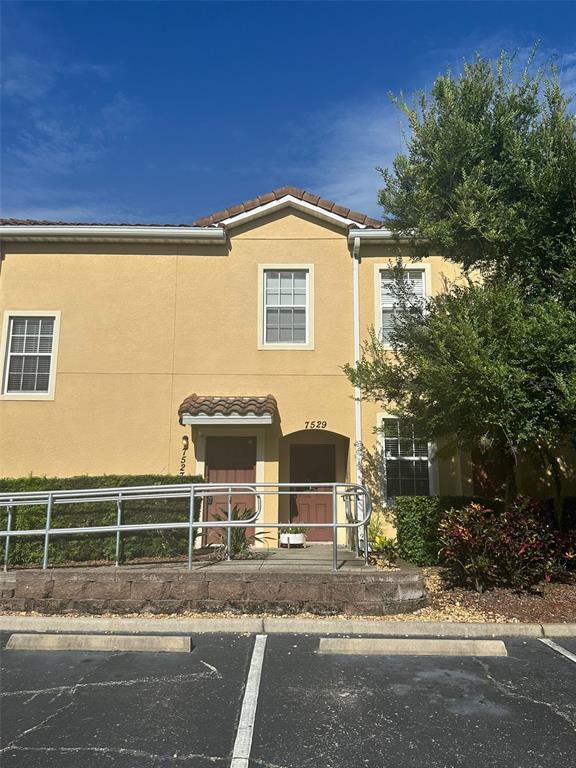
(315, 558)
(311, 559)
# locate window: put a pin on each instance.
(406, 460)
(286, 306)
(388, 301)
(29, 359)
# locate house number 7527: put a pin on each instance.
(315, 424)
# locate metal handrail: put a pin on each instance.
(192, 491)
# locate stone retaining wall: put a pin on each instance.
(163, 590)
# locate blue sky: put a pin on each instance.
(166, 111)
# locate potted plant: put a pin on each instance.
(292, 537)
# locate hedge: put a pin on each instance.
(417, 519)
(97, 547)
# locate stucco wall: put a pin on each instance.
(143, 326)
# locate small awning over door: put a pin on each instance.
(229, 410)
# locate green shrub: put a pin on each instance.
(484, 547)
(385, 547)
(417, 520)
(240, 540)
(85, 548)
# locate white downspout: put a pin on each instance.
(357, 401)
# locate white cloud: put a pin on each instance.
(54, 137)
(62, 140)
(566, 65)
(53, 202)
(349, 144)
(27, 79)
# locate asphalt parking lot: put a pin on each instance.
(137, 710)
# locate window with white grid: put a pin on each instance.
(406, 459)
(388, 301)
(285, 306)
(29, 351)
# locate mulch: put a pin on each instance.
(544, 603)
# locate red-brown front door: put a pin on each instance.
(313, 464)
(229, 460)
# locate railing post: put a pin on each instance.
(334, 529)
(229, 530)
(8, 529)
(191, 530)
(118, 522)
(365, 527)
(47, 534)
(354, 516)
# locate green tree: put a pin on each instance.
(488, 181)
(489, 176)
(484, 364)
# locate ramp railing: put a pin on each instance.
(355, 500)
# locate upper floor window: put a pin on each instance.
(406, 459)
(286, 306)
(30, 343)
(415, 279)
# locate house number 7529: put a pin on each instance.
(315, 424)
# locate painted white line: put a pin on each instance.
(558, 648)
(243, 743)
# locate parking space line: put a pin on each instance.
(558, 648)
(243, 743)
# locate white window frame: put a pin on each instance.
(433, 478)
(421, 266)
(9, 314)
(282, 345)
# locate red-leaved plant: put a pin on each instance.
(515, 547)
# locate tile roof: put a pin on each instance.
(43, 223)
(218, 217)
(300, 194)
(214, 405)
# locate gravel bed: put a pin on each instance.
(545, 603)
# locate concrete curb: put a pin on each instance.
(400, 628)
(125, 625)
(86, 643)
(410, 646)
(255, 625)
(559, 630)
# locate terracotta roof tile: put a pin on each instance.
(215, 405)
(43, 223)
(326, 204)
(267, 198)
(276, 194)
(219, 216)
(310, 198)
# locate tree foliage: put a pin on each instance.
(489, 177)
(482, 363)
(488, 181)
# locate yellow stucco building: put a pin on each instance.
(119, 341)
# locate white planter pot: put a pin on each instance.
(292, 539)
